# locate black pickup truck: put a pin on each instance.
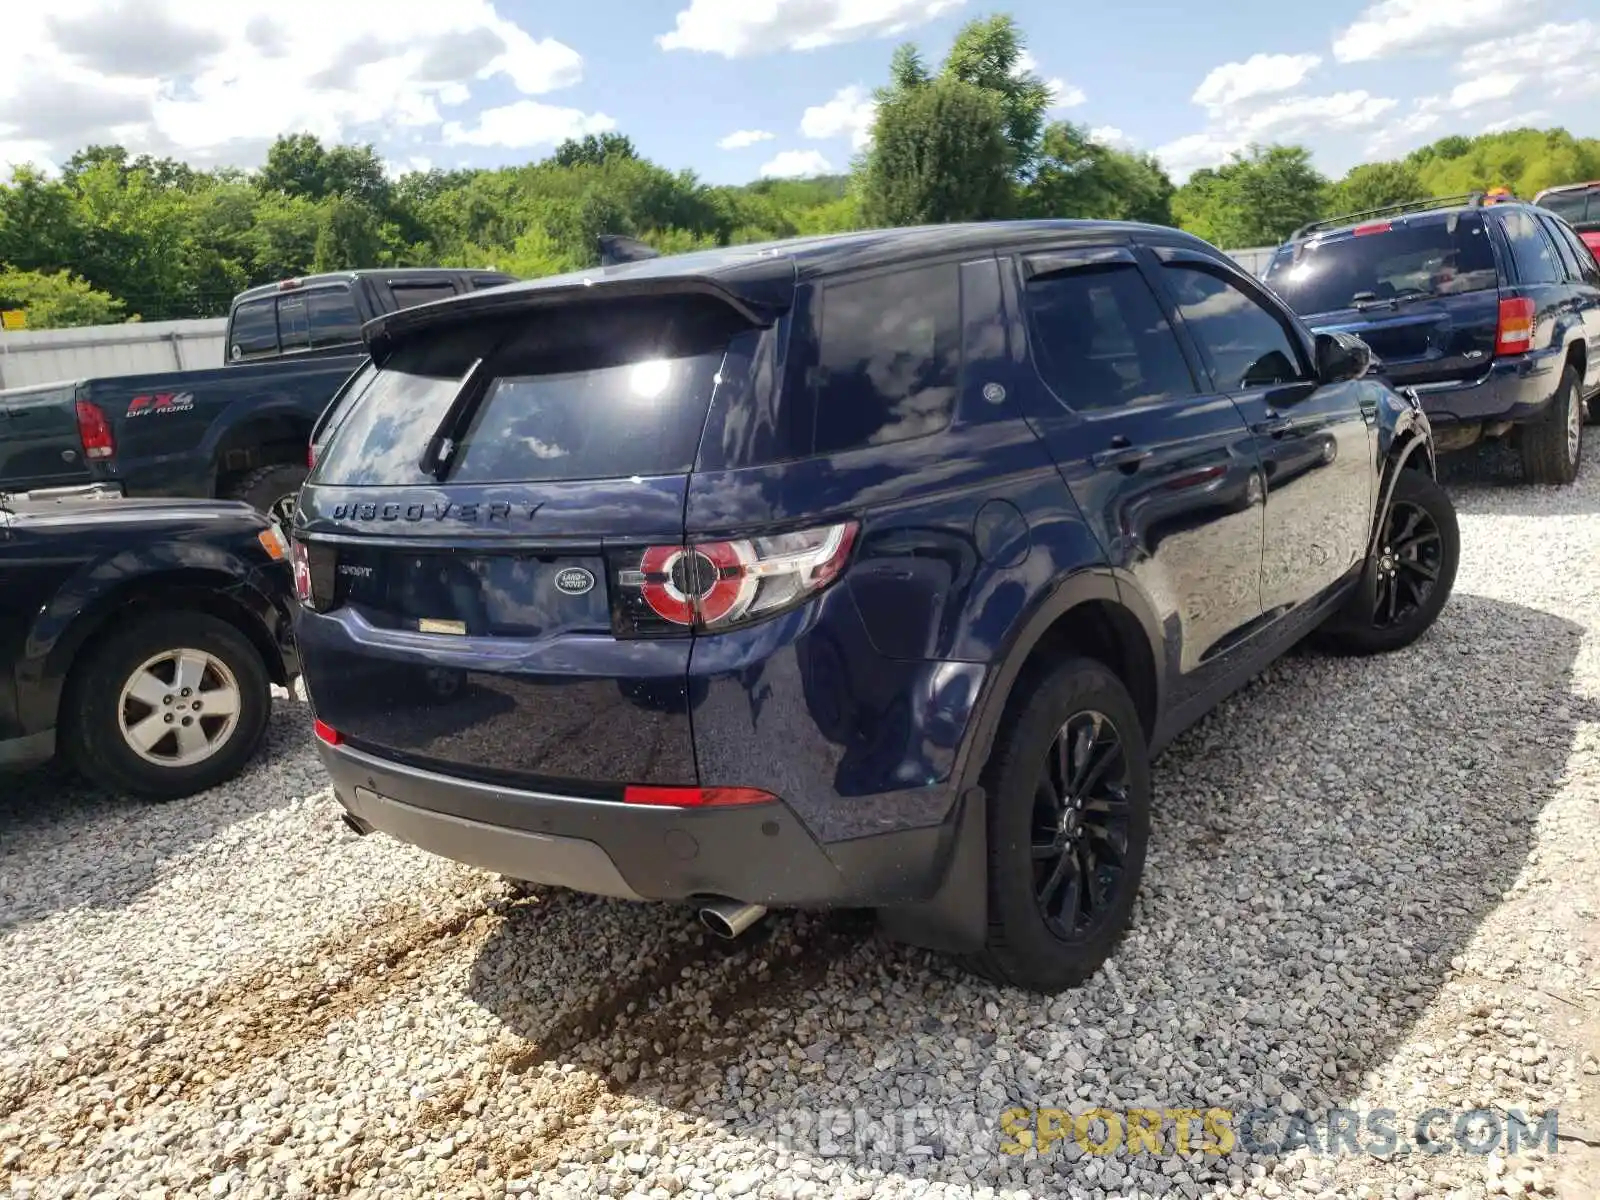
(238, 431)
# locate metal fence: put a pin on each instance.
(46, 356)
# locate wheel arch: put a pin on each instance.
(271, 435)
(188, 589)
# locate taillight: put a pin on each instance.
(94, 431)
(1515, 332)
(311, 456)
(711, 586)
(302, 571)
(326, 733)
(695, 797)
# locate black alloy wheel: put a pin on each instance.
(1410, 561)
(1081, 819)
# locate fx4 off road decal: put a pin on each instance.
(161, 402)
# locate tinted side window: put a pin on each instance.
(889, 358)
(1100, 340)
(1534, 257)
(1569, 264)
(1245, 343)
(408, 294)
(255, 329)
(1588, 269)
(333, 317)
(294, 327)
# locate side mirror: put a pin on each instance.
(1342, 356)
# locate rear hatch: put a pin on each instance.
(40, 444)
(1421, 290)
(471, 533)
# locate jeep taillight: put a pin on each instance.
(302, 571)
(716, 585)
(94, 431)
(1514, 334)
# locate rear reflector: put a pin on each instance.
(1371, 227)
(1515, 332)
(694, 797)
(94, 431)
(326, 733)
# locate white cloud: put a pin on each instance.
(1556, 59)
(217, 82)
(1484, 88)
(1259, 75)
(1064, 94)
(1184, 156)
(1393, 27)
(851, 111)
(527, 123)
(737, 28)
(741, 138)
(1290, 119)
(792, 164)
(1110, 135)
(1527, 120)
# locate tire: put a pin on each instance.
(1365, 627)
(1021, 948)
(97, 706)
(1552, 447)
(272, 490)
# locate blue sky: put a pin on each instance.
(485, 82)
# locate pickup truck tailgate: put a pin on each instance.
(39, 444)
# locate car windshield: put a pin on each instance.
(1435, 255)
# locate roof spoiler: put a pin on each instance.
(619, 248)
(1473, 199)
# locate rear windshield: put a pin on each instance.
(1435, 255)
(1575, 208)
(596, 391)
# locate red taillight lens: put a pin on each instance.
(326, 733)
(711, 586)
(302, 571)
(94, 431)
(1515, 332)
(694, 797)
(311, 457)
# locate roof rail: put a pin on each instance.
(1475, 199)
(619, 248)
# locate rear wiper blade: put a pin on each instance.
(438, 454)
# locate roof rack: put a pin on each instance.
(1474, 199)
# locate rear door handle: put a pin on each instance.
(1274, 425)
(1126, 458)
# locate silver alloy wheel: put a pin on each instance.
(179, 708)
(1574, 426)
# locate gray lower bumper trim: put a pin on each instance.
(566, 862)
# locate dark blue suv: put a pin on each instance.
(863, 571)
(1489, 311)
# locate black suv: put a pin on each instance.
(865, 570)
(1490, 311)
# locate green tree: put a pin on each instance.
(987, 54)
(592, 150)
(1079, 177)
(939, 153)
(57, 300)
(1258, 198)
(1377, 185)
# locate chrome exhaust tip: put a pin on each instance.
(729, 918)
(355, 824)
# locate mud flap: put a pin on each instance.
(956, 919)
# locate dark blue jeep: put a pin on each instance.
(1490, 311)
(865, 570)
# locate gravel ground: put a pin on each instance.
(1373, 885)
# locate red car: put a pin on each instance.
(1578, 204)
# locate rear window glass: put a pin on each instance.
(587, 392)
(408, 295)
(334, 319)
(1436, 255)
(890, 355)
(255, 330)
(1574, 207)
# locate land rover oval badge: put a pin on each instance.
(574, 581)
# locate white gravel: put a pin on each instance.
(1372, 884)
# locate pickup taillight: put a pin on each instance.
(94, 431)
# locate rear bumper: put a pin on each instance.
(1517, 390)
(759, 854)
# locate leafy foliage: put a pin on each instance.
(965, 138)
